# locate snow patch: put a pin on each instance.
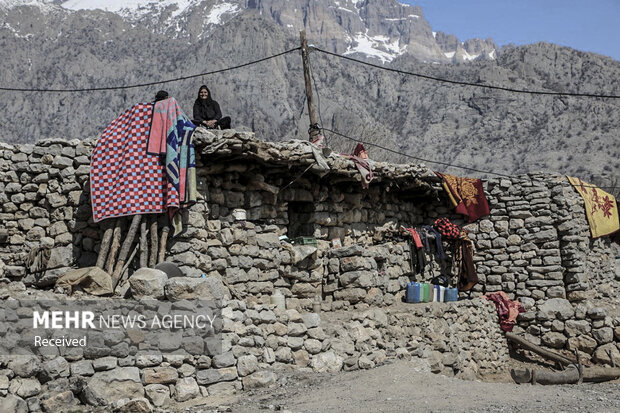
(16, 32)
(216, 12)
(414, 16)
(449, 55)
(379, 47)
(492, 55)
(130, 8)
(469, 57)
(434, 35)
(43, 5)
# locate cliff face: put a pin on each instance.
(490, 130)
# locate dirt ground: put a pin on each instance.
(398, 387)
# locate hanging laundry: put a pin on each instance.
(464, 258)
(601, 208)
(447, 229)
(360, 159)
(171, 137)
(418, 258)
(466, 195)
(124, 178)
(364, 168)
(507, 309)
(416, 237)
(360, 151)
(439, 252)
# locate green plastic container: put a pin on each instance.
(425, 292)
(305, 241)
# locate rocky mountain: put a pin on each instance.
(76, 44)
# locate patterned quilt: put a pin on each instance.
(124, 178)
(466, 196)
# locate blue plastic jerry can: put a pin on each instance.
(413, 292)
(452, 294)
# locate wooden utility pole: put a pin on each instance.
(312, 132)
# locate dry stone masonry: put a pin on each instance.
(344, 307)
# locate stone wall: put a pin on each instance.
(535, 245)
(258, 341)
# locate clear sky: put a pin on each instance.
(588, 25)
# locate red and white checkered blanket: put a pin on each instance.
(124, 178)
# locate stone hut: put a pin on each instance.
(535, 245)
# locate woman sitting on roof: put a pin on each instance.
(207, 111)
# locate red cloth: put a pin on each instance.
(466, 195)
(360, 151)
(507, 309)
(417, 241)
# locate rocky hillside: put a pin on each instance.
(59, 47)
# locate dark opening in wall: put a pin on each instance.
(300, 219)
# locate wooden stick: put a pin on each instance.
(131, 234)
(598, 374)
(105, 244)
(579, 367)
(154, 242)
(568, 376)
(144, 245)
(126, 266)
(162, 243)
(548, 354)
(116, 243)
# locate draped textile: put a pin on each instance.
(466, 195)
(171, 137)
(601, 208)
(124, 178)
(507, 310)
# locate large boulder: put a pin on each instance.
(186, 389)
(106, 387)
(185, 288)
(13, 404)
(58, 401)
(92, 280)
(139, 405)
(148, 282)
(607, 354)
(25, 366)
(327, 362)
(559, 308)
(259, 379)
(158, 394)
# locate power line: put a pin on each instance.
(456, 82)
(93, 89)
(414, 157)
(440, 162)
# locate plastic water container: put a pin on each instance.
(425, 292)
(452, 294)
(412, 294)
(438, 293)
(278, 300)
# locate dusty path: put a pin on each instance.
(397, 387)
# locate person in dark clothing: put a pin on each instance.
(161, 95)
(207, 111)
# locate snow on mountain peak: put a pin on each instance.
(217, 11)
(129, 7)
(371, 46)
